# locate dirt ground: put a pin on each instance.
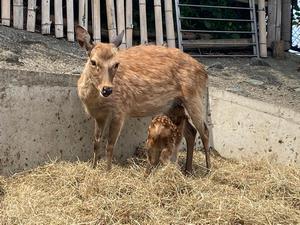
(270, 80)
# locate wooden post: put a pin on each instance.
(121, 21)
(18, 14)
(58, 13)
(129, 25)
(96, 21)
(143, 21)
(271, 22)
(5, 12)
(83, 14)
(286, 24)
(70, 20)
(111, 19)
(31, 15)
(46, 23)
(169, 24)
(262, 28)
(158, 23)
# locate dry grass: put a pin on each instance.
(73, 193)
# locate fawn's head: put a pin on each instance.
(102, 64)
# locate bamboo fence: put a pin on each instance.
(37, 16)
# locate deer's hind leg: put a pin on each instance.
(193, 105)
(190, 136)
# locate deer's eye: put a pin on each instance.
(93, 62)
(115, 66)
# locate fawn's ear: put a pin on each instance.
(84, 39)
(118, 40)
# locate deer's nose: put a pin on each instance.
(106, 91)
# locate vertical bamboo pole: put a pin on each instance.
(129, 25)
(178, 22)
(58, 14)
(286, 23)
(262, 28)
(143, 21)
(70, 20)
(111, 19)
(278, 21)
(96, 20)
(46, 23)
(158, 23)
(121, 21)
(18, 14)
(169, 24)
(83, 13)
(271, 22)
(5, 12)
(31, 15)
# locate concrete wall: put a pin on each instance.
(41, 119)
(247, 128)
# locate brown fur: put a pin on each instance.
(165, 133)
(146, 82)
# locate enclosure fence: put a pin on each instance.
(296, 27)
(33, 14)
(59, 17)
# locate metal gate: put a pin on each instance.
(216, 42)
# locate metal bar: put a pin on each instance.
(254, 29)
(218, 31)
(199, 56)
(215, 19)
(179, 35)
(212, 6)
(237, 44)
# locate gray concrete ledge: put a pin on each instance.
(41, 118)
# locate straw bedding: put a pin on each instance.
(252, 192)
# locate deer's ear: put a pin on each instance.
(83, 37)
(118, 40)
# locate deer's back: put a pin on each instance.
(150, 76)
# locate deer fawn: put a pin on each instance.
(137, 82)
(165, 133)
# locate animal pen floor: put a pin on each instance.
(247, 192)
(252, 192)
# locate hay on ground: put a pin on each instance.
(255, 192)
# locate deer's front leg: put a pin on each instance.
(115, 128)
(98, 138)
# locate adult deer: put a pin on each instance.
(137, 82)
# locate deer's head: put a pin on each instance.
(102, 64)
